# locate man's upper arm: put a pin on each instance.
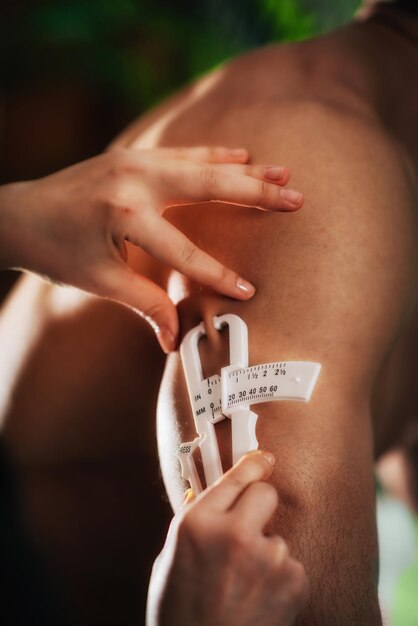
(333, 282)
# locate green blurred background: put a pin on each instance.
(77, 71)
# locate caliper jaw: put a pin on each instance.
(243, 420)
(205, 429)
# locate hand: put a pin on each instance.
(72, 226)
(218, 568)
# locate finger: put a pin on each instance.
(165, 242)
(278, 549)
(146, 298)
(275, 174)
(255, 507)
(203, 154)
(255, 466)
(295, 580)
(194, 183)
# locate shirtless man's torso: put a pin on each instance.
(336, 283)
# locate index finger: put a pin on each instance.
(166, 243)
(195, 183)
(202, 154)
(253, 467)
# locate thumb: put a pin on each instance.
(148, 299)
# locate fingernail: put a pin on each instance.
(238, 153)
(245, 287)
(294, 197)
(269, 457)
(166, 339)
(254, 453)
(274, 173)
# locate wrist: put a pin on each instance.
(10, 206)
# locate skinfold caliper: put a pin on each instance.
(231, 394)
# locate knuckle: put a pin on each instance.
(298, 583)
(188, 254)
(103, 204)
(120, 208)
(113, 195)
(95, 284)
(126, 212)
(216, 153)
(237, 480)
(238, 538)
(155, 311)
(281, 553)
(266, 192)
(209, 178)
(227, 276)
(105, 284)
(123, 161)
(185, 530)
(108, 290)
(192, 524)
(186, 524)
(278, 557)
(263, 494)
(250, 469)
(181, 152)
(267, 493)
(257, 172)
(111, 204)
(117, 162)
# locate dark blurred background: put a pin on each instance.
(74, 73)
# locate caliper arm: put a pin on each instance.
(243, 420)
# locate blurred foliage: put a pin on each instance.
(139, 50)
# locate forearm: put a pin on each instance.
(9, 225)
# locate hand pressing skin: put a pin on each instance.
(71, 227)
(218, 568)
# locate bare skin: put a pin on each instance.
(335, 283)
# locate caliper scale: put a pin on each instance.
(231, 394)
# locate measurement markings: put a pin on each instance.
(247, 400)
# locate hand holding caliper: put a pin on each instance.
(218, 566)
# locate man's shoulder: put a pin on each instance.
(253, 72)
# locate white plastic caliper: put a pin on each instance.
(231, 395)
